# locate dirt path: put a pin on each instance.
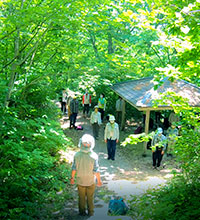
(129, 174)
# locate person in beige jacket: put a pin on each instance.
(111, 137)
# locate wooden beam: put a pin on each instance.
(123, 115)
(161, 108)
(146, 129)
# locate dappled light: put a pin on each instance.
(70, 68)
(124, 177)
(127, 188)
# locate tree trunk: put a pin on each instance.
(93, 40)
(110, 42)
(13, 75)
(13, 72)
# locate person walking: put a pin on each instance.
(85, 164)
(158, 146)
(102, 105)
(74, 107)
(111, 137)
(95, 121)
(86, 102)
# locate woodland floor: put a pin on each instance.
(130, 173)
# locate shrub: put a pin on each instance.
(30, 163)
(177, 200)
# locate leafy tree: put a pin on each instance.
(177, 29)
(49, 45)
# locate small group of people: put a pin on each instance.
(111, 133)
(70, 106)
(161, 144)
(85, 163)
(86, 103)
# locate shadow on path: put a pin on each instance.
(130, 173)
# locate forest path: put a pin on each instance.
(129, 174)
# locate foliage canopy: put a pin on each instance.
(49, 45)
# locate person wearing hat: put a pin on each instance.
(172, 133)
(102, 105)
(95, 120)
(85, 165)
(111, 137)
(86, 102)
(74, 107)
(158, 146)
(63, 101)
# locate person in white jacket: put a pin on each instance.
(95, 121)
(111, 137)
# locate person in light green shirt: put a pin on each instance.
(102, 105)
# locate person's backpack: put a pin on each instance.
(117, 207)
(138, 130)
(79, 127)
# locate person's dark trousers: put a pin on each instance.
(63, 107)
(157, 158)
(73, 119)
(102, 113)
(111, 148)
(86, 109)
(95, 128)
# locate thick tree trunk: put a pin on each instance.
(13, 75)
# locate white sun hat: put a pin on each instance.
(111, 118)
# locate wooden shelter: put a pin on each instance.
(141, 95)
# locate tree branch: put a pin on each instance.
(32, 49)
(20, 51)
(8, 34)
(51, 57)
(158, 55)
(93, 40)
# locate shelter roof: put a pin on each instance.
(141, 93)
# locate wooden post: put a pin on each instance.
(146, 129)
(123, 116)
